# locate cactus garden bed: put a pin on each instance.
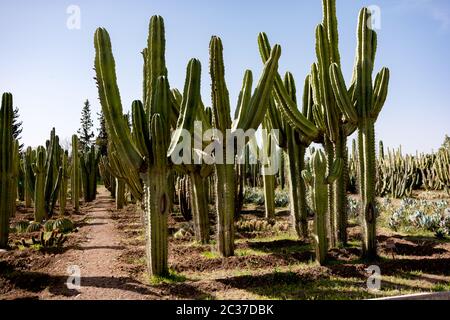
(269, 262)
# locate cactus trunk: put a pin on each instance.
(120, 193)
(156, 206)
(6, 158)
(225, 196)
(200, 208)
(367, 176)
(75, 177)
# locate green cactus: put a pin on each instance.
(291, 141)
(65, 176)
(320, 176)
(40, 213)
(362, 106)
(250, 115)
(29, 179)
(192, 109)
(142, 154)
(89, 172)
(7, 188)
(75, 175)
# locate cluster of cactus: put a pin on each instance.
(89, 160)
(143, 152)
(46, 240)
(337, 111)
(398, 175)
(244, 225)
(319, 177)
(75, 176)
(44, 174)
(8, 190)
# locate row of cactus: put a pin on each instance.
(89, 161)
(399, 175)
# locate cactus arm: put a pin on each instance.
(245, 96)
(287, 106)
(336, 170)
(343, 99)
(190, 104)
(257, 107)
(380, 92)
(220, 97)
(140, 128)
(155, 63)
(111, 102)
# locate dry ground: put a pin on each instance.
(109, 250)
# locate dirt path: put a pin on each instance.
(97, 260)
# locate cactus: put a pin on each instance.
(320, 176)
(291, 142)
(268, 179)
(251, 113)
(338, 125)
(40, 213)
(53, 173)
(7, 187)
(362, 107)
(192, 108)
(29, 179)
(75, 175)
(65, 175)
(142, 154)
(89, 172)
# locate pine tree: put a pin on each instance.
(85, 133)
(446, 144)
(17, 128)
(102, 137)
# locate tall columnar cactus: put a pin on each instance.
(65, 176)
(291, 141)
(53, 173)
(89, 171)
(40, 213)
(337, 125)
(251, 113)
(320, 176)
(15, 176)
(143, 154)
(6, 166)
(268, 177)
(75, 175)
(362, 107)
(29, 180)
(191, 109)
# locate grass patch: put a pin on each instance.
(171, 278)
(210, 255)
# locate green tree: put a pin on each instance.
(85, 133)
(102, 137)
(446, 144)
(17, 128)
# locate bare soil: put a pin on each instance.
(110, 253)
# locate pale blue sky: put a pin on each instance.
(49, 68)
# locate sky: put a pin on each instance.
(46, 61)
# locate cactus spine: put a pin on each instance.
(320, 176)
(369, 99)
(7, 187)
